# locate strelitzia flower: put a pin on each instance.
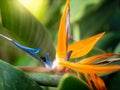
(31, 51)
(88, 66)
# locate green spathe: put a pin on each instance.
(69, 82)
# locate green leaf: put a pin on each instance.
(93, 22)
(24, 60)
(79, 8)
(109, 41)
(12, 78)
(69, 82)
(46, 78)
(106, 40)
(117, 49)
(52, 15)
(113, 81)
(94, 51)
(36, 7)
(25, 28)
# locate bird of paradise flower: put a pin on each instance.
(89, 67)
(86, 66)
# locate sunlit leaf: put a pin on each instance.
(36, 7)
(25, 28)
(83, 8)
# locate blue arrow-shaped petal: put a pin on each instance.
(32, 52)
(27, 49)
(48, 61)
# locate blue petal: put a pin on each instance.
(32, 52)
(27, 49)
(48, 62)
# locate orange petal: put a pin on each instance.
(83, 47)
(98, 82)
(92, 59)
(90, 68)
(88, 81)
(62, 34)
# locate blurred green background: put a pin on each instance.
(88, 17)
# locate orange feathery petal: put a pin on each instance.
(92, 59)
(83, 47)
(62, 34)
(88, 81)
(98, 82)
(89, 68)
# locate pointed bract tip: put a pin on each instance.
(101, 34)
(6, 37)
